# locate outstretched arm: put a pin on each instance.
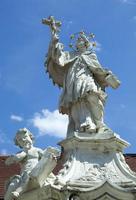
(104, 76)
(56, 49)
(16, 158)
(53, 24)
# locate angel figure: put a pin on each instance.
(83, 81)
(35, 163)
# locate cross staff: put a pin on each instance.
(54, 25)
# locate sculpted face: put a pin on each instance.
(24, 140)
(81, 45)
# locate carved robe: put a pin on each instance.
(83, 81)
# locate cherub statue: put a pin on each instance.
(35, 163)
(82, 79)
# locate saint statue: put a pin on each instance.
(83, 81)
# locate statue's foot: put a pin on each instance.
(104, 129)
(15, 195)
(87, 128)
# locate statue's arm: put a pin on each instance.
(40, 153)
(95, 66)
(15, 158)
(108, 77)
(52, 152)
(57, 53)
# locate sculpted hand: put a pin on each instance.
(15, 195)
(52, 23)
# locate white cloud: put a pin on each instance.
(50, 123)
(132, 2)
(98, 46)
(16, 118)
(124, 1)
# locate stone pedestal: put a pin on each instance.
(92, 167)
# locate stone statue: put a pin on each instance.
(83, 80)
(36, 165)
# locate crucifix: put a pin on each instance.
(52, 23)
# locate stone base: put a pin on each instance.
(103, 192)
(93, 167)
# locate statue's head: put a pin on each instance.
(24, 138)
(82, 41)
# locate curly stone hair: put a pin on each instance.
(22, 131)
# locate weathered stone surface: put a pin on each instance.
(36, 166)
(83, 80)
(93, 168)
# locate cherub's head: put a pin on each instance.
(24, 138)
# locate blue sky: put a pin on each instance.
(29, 99)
